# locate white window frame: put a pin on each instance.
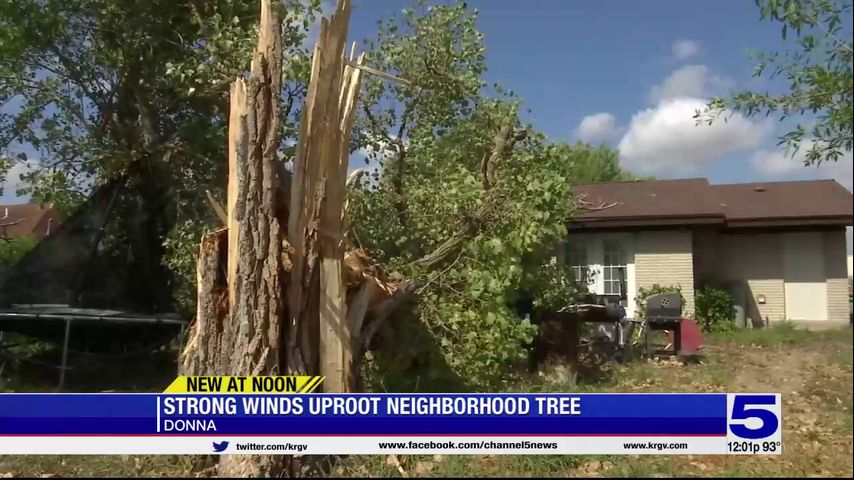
(614, 267)
(578, 259)
(595, 247)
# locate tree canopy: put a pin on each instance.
(463, 201)
(818, 68)
(96, 86)
(463, 197)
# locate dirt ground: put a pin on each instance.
(813, 371)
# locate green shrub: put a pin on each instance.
(714, 308)
(12, 249)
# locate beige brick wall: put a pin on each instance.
(837, 276)
(665, 258)
(755, 262)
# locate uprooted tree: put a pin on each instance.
(271, 284)
(105, 84)
(467, 212)
(277, 290)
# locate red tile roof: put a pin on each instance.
(694, 201)
(27, 220)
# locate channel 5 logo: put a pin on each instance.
(754, 416)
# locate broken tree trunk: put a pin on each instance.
(244, 326)
(317, 292)
(240, 299)
(254, 236)
(203, 354)
(240, 269)
(336, 354)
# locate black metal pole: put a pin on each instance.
(64, 365)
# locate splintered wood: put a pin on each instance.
(279, 292)
(240, 273)
(239, 298)
(284, 237)
(317, 289)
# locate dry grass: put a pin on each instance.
(813, 371)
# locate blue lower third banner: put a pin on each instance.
(325, 424)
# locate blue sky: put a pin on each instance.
(574, 59)
(630, 74)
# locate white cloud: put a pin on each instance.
(683, 49)
(840, 170)
(692, 81)
(778, 164)
(369, 158)
(666, 139)
(775, 164)
(596, 127)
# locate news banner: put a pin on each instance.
(282, 415)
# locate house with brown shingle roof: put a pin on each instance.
(32, 220)
(779, 247)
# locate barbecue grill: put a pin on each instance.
(663, 311)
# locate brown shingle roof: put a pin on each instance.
(27, 220)
(812, 200)
(659, 198)
(694, 201)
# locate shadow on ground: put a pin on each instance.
(33, 367)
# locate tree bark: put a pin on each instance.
(204, 350)
(237, 330)
(248, 269)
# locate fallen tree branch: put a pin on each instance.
(503, 142)
(451, 249)
(581, 201)
(505, 139)
(401, 296)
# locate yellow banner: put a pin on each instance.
(269, 384)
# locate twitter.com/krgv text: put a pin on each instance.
(220, 447)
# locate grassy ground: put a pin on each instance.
(813, 371)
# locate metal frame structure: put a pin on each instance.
(71, 315)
